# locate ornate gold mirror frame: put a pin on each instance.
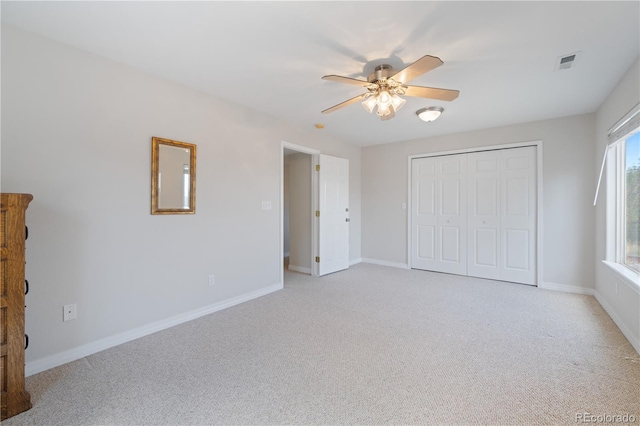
(173, 177)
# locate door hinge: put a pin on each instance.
(317, 213)
(317, 167)
(317, 259)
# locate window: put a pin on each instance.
(623, 195)
(630, 202)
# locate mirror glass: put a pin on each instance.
(173, 177)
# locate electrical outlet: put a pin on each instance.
(212, 280)
(69, 312)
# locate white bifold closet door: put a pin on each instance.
(439, 218)
(499, 209)
(502, 214)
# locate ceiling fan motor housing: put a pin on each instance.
(381, 73)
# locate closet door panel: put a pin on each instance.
(486, 249)
(518, 215)
(484, 214)
(451, 176)
(424, 206)
(516, 244)
(438, 217)
(427, 243)
(450, 244)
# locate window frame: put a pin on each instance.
(615, 210)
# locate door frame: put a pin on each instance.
(314, 204)
(539, 217)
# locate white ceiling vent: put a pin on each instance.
(565, 62)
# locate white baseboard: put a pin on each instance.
(60, 358)
(355, 261)
(301, 269)
(566, 288)
(633, 339)
(385, 263)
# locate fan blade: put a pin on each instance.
(347, 80)
(431, 93)
(344, 104)
(419, 67)
(388, 116)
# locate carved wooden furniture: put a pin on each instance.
(14, 398)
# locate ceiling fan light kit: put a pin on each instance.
(386, 86)
(369, 104)
(429, 114)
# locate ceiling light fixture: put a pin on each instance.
(385, 99)
(429, 114)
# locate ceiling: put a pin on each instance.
(270, 56)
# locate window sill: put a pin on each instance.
(627, 275)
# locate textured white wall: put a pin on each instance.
(567, 190)
(76, 133)
(300, 210)
(623, 304)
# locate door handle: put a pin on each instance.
(347, 209)
(26, 286)
(347, 220)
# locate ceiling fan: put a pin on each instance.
(385, 86)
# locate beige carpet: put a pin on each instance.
(371, 345)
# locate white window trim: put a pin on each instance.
(619, 207)
(615, 232)
(625, 274)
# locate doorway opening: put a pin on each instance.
(297, 204)
(315, 232)
(297, 211)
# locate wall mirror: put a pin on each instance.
(173, 177)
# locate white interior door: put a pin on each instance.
(333, 221)
(518, 215)
(424, 220)
(452, 215)
(484, 215)
(439, 214)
